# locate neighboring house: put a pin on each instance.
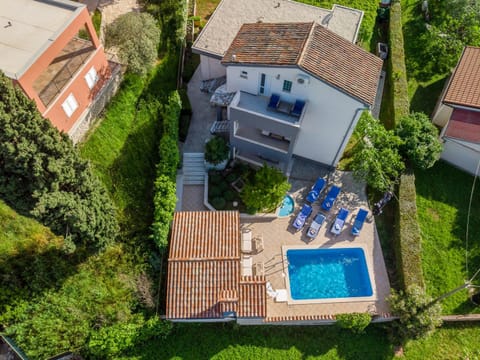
(334, 79)
(204, 277)
(458, 113)
(50, 49)
(230, 15)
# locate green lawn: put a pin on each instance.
(443, 195)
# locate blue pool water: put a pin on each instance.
(328, 273)
(287, 206)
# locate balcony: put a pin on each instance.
(62, 69)
(256, 136)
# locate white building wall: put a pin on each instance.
(211, 68)
(461, 154)
(330, 114)
(442, 115)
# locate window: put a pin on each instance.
(244, 75)
(262, 84)
(287, 86)
(91, 78)
(70, 105)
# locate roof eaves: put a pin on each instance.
(306, 43)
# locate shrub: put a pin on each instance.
(229, 195)
(420, 140)
(408, 247)
(216, 150)
(266, 190)
(215, 177)
(356, 322)
(42, 173)
(223, 186)
(164, 201)
(418, 314)
(219, 203)
(214, 191)
(231, 177)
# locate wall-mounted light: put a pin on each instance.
(277, 77)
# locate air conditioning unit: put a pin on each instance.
(302, 79)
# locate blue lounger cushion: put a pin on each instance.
(302, 217)
(316, 190)
(297, 108)
(274, 101)
(359, 220)
(330, 198)
(339, 221)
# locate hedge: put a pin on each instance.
(398, 73)
(165, 198)
(409, 248)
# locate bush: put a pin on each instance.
(418, 314)
(216, 150)
(231, 177)
(356, 322)
(408, 247)
(219, 203)
(214, 191)
(398, 73)
(230, 195)
(164, 201)
(215, 177)
(266, 191)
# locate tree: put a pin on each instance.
(42, 173)
(420, 143)
(266, 191)
(136, 37)
(418, 314)
(216, 150)
(376, 159)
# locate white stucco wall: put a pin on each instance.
(461, 154)
(329, 118)
(211, 68)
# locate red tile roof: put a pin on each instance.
(203, 278)
(312, 48)
(464, 125)
(464, 88)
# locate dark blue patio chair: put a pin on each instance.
(330, 198)
(316, 190)
(302, 217)
(315, 225)
(297, 108)
(339, 221)
(274, 101)
(359, 220)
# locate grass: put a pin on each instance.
(443, 195)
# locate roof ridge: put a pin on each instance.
(307, 42)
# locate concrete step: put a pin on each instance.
(193, 182)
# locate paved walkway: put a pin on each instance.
(111, 9)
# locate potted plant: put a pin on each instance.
(216, 153)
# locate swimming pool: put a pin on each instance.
(328, 273)
(287, 206)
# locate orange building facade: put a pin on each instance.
(61, 64)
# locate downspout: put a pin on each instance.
(347, 135)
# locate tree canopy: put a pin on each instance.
(42, 174)
(375, 155)
(420, 143)
(136, 37)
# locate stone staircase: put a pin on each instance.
(193, 169)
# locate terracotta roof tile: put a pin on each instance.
(464, 88)
(203, 278)
(314, 49)
(464, 125)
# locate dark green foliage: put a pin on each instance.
(214, 191)
(42, 173)
(398, 74)
(164, 202)
(408, 247)
(356, 322)
(266, 191)
(229, 195)
(110, 342)
(136, 37)
(172, 16)
(375, 155)
(215, 177)
(219, 203)
(231, 177)
(418, 316)
(420, 140)
(216, 150)
(97, 21)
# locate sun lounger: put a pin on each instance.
(330, 198)
(316, 190)
(270, 291)
(359, 220)
(274, 101)
(316, 225)
(281, 295)
(339, 221)
(247, 241)
(297, 108)
(302, 217)
(247, 263)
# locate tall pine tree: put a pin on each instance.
(42, 173)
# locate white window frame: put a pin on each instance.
(91, 77)
(70, 105)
